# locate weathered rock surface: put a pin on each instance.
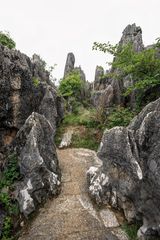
(72, 215)
(38, 163)
(129, 176)
(85, 89)
(103, 98)
(66, 139)
(69, 66)
(131, 34)
(24, 88)
(99, 74)
(29, 112)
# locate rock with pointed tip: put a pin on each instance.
(38, 163)
(129, 178)
(69, 66)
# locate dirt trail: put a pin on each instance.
(72, 216)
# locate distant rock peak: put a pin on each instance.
(69, 63)
(133, 34)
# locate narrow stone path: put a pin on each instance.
(72, 216)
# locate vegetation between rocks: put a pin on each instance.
(36, 81)
(6, 40)
(131, 230)
(7, 201)
(142, 67)
(89, 125)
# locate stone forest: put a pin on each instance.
(81, 160)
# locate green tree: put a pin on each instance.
(71, 85)
(143, 67)
(6, 40)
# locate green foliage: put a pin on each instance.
(85, 135)
(88, 140)
(6, 40)
(71, 85)
(8, 204)
(36, 81)
(131, 230)
(105, 47)
(7, 226)
(10, 173)
(84, 117)
(7, 201)
(143, 67)
(119, 116)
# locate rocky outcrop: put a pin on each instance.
(30, 110)
(99, 74)
(38, 163)
(69, 68)
(129, 176)
(103, 98)
(25, 87)
(69, 64)
(131, 34)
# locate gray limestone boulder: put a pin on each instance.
(38, 163)
(129, 178)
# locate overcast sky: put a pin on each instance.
(52, 28)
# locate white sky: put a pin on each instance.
(52, 28)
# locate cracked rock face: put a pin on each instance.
(69, 67)
(29, 112)
(131, 34)
(38, 163)
(129, 178)
(99, 73)
(25, 87)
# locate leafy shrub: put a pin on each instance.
(88, 140)
(143, 67)
(36, 81)
(71, 85)
(6, 40)
(86, 134)
(7, 226)
(7, 202)
(119, 116)
(11, 172)
(84, 117)
(131, 230)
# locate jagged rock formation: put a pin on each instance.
(99, 74)
(131, 34)
(69, 64)
(103, 98)
(23, 85)
(30, 109)
(129, 176)
(38, 163)
(69, 67)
